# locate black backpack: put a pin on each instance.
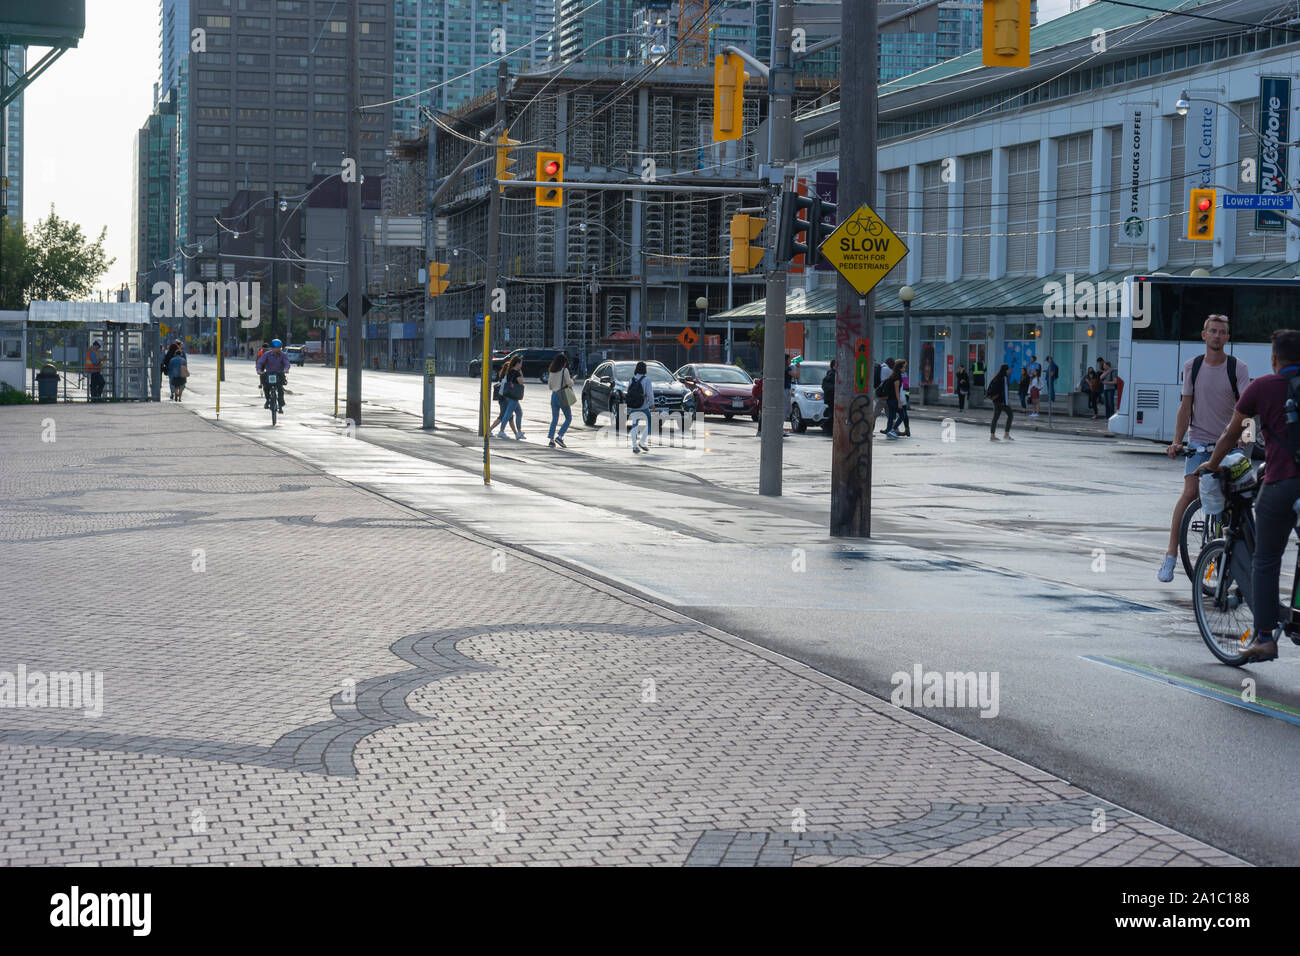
(635, 393)
(886, 388)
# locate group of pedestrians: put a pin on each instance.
(509, 394)
(1100, 383)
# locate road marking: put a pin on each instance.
(1267, 708)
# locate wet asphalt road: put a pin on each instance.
(1033, 560)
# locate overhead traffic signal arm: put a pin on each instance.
(1006, 32)
(1200, 214)
(744, 230)
(550, 169)
(729, 78)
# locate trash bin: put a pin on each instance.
(47, 385)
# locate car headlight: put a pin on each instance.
(813, 396)
(708, 391)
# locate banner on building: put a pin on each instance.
(1134, 171)
(1274, 109)
(1200, 132)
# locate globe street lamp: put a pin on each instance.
(906, 294)
(702, 303)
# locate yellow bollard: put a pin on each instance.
(486, 379)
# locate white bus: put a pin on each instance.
(1170, 312)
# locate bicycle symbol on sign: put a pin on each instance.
(854, 226)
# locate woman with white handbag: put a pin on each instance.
(560, 382)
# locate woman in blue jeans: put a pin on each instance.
(558, 379)
(514, 413)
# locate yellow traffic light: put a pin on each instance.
(504, 147)
(550, 169)
(437, 284)
(729, 78)
(744, 230)
(1200, 214)
(1006, 32)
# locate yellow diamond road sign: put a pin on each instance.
(863, 249)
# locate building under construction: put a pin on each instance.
(572, 275)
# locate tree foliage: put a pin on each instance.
(53, 260)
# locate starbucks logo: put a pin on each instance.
(1134, 227)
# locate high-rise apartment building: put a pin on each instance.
(260, 92)
(14, 139)
(153, 205)
(444, 51)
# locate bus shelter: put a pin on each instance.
(59, 336)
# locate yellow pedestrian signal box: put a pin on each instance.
(437, 284)
(1006, 33)
(1200, 214)
(729, 78)
(550, 169)
(744, 230)
(504, 147)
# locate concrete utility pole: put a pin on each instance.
(273, 252)
(356, 298)
(492, 280)
(855, 317)
(430, 303)
(780, 84)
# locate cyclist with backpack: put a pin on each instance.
(1212, 385)
(1276, 400)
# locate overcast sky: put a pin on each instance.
(83, 114)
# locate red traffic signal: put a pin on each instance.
(551, 168)
(1204, 203)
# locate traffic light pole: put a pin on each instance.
(356, 299)
(781, 126)
(854, 315)
(429, 404)
(494, 248)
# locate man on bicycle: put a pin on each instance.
(1211, 385)
(1274, 514)
(277, 362)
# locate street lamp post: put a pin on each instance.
(906, 294)
(702, 303)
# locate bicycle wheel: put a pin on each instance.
(274, 411)
(1222, 614)
(1196, 531)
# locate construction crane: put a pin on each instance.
(692, 33)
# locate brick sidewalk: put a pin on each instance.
(298, 671)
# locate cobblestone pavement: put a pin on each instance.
(298, 671)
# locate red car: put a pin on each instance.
(725, 390)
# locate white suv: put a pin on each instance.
(808, 405)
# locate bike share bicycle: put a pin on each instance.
(1221, 586)
(273, 389)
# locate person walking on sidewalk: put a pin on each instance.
(963, 388)
(1092, 383)
(1212, 384)
(889, 390)
(560, 382)
(904, 400)
(758, 397)
(177, 370)
(497, 386)
(640, 400)
(881, 404)
(999, 393)
(828, 396)
(513, 390)
(1053, 372)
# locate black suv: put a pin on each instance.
(498, 359)
(606, 388)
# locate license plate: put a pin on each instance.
(270, 379)
(737, 403)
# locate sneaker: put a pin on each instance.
(501, 434)
(645, 447)
(1033, 415)
(521, 436)
(993, 437)
(892, 436)
(551, 443)
(560, 441)
(1260, 650)
(1006, 436)
(1167, 568)
(636, 449)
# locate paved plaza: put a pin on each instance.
(296, 670)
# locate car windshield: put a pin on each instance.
(657, 373)
(812, 373)
(723, 375)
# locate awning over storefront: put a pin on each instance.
(1018, 295)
